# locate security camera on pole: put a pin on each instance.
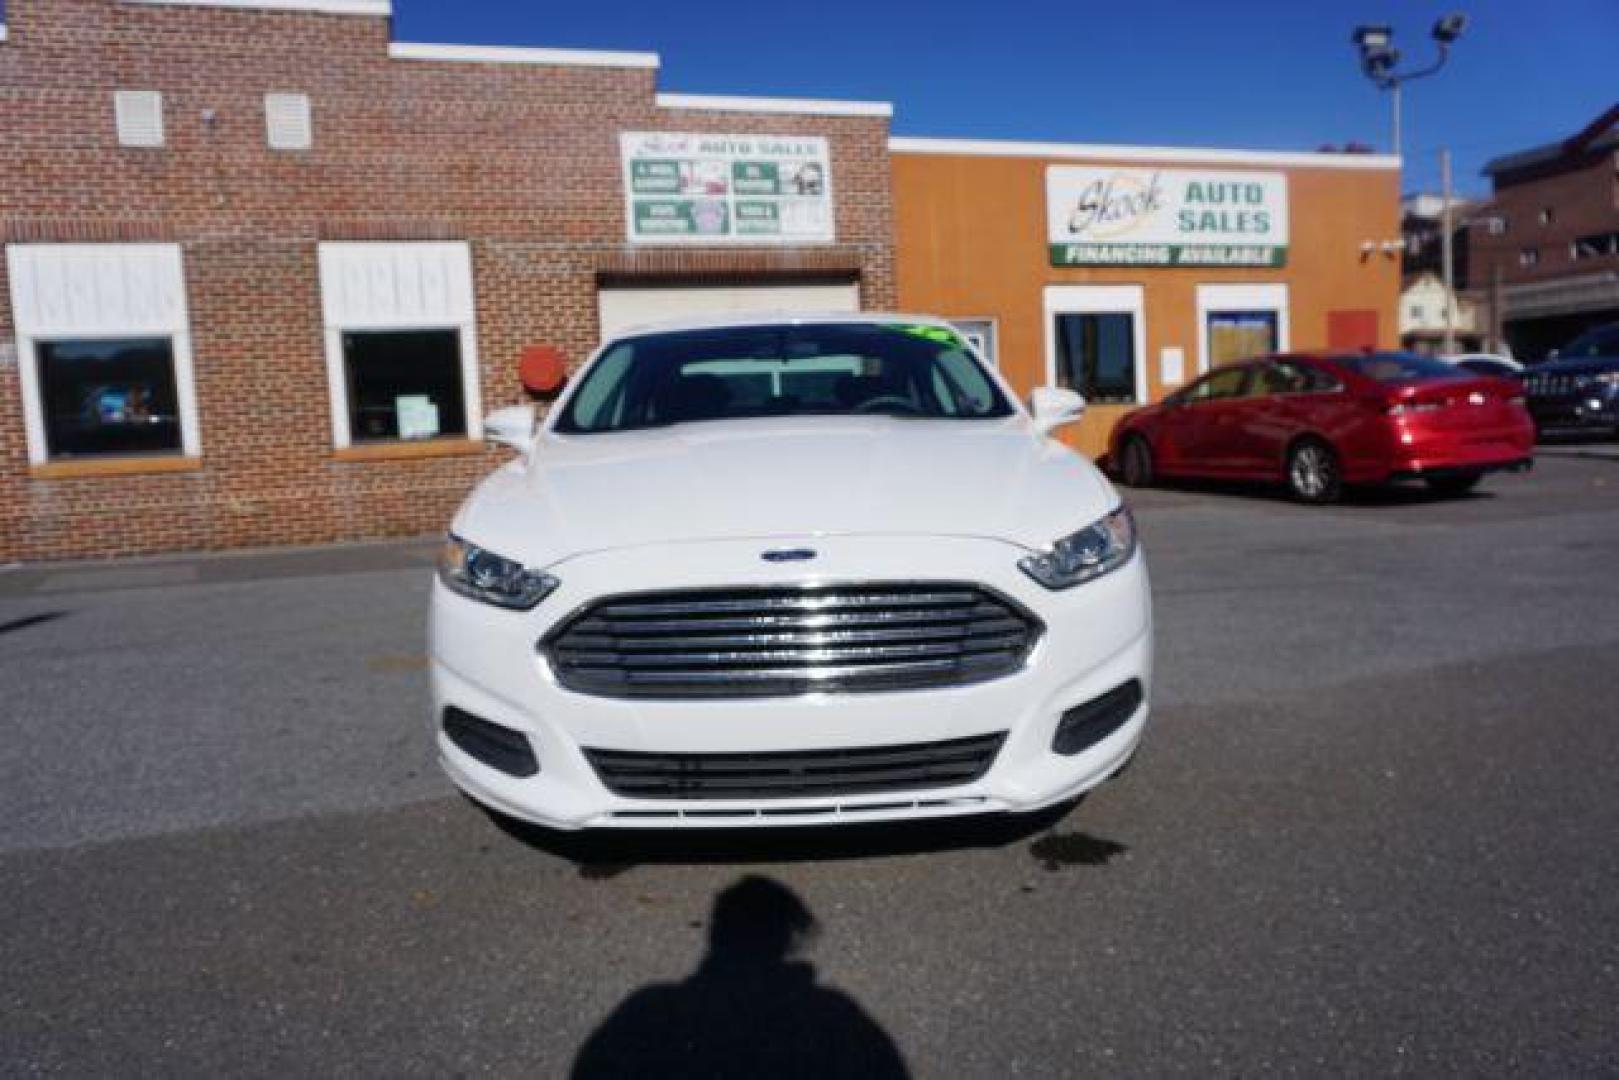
(1378, 61)
(1379, 58)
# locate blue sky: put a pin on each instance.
(1245, 73)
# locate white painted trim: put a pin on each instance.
(466, 327)
(1099, 300)
(994, 332)
(804, 106)
(177, 328)
(1244, 297)
(1175, 154)
(505, 54)
(383, 8)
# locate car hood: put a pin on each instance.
(785, 477)
(1594, 365)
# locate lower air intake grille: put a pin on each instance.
(806, 773)
(775, 642)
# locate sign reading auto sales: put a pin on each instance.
(1165, 217)
(727, 189)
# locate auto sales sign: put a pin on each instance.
(1165, 217)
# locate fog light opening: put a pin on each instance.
(496, 746)
(1085, 725)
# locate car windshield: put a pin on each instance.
(1399, 367)
(831, 369)
(1600, 342)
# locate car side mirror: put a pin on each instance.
(1054, 406)
(512, 426)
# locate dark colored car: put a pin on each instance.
(1318, 422)
(1578, 390)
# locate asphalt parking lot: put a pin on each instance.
(1372, 831)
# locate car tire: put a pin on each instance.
(1136, 466)
(1313, 473)
(1454, 486)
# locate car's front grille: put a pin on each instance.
(1556, 385)
(796, 774)
(761, 642)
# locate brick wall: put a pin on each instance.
(1583, 197)
(521, 161)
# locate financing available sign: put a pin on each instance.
(1165, 217)
(727, 189)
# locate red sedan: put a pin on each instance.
(1318, 422)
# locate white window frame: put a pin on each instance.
(1214, 299)
(1099, 300)
(458, 313)
(993, 357)
(78, 310)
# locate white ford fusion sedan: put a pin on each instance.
(788, 571)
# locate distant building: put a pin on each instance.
(1423, 299)
(1547, 244)
(1422, 317)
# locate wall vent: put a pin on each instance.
(288, 122)
(140, 117)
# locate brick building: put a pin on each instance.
(1546, 248)
(266, 269)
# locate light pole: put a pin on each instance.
(1379, 58)
(1378, 61)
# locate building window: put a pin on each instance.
(1595, 246)
(114, 397)
(980, 334)
(139, 118)
(1529, 257)
(1495, 226)
(1238, 322)
(288, 122)
(104, 351)
(1096, 356)
(1547, 215)
(1096, 341)
(401, 342)
(1235, 336)
(404, 384)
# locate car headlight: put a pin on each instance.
(1097, 549)
(482, 575)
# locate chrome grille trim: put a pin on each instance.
(778, 641)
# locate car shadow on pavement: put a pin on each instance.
(1385, 495)
(27, 621)
(752, 1008)
(605, 853)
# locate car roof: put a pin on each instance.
(743, 320)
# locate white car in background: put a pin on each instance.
(788, 571)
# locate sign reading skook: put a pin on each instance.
(727, 189)
(1165, 217)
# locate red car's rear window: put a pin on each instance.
(1399, 367)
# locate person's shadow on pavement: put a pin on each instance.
(749, 1010)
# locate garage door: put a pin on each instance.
(624, 308)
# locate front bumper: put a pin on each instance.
(1592, 413)
(485, 661)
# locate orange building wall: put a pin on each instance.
(971, 242)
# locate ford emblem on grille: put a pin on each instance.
(789, 555)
